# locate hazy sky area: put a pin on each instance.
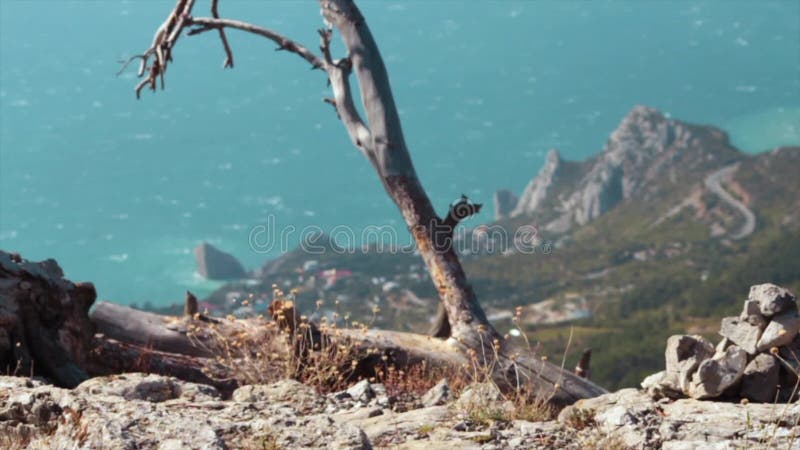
(119, 191)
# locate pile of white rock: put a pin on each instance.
(757, 359)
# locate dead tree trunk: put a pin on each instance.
(380, 139)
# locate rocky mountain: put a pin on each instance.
(648, 156)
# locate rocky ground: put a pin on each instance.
(139, 411)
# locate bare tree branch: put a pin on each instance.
(338, 71)
(338, 76)
(204, 24)
(228, 54)
(164, 40)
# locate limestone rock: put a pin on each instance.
(143, 411)
(781, 330)
(741, 333)
(479, 394)
(118, 412)
(382, 397)
(215, 264)
(662, 384)
(772, 299)
(683, 355)
(147, 387)
(280, 391)
(723, 345)
(437, 395)
(760, 380)
(536, 191)
(654, 380)
(627, 413)
(394, 428)
(717, 374)
(361, 391)
(640, 422)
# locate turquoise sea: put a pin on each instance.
(120, 190)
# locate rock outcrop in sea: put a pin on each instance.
(214, 264)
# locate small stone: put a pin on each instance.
(515, 442)
(653, 380)
(781, 330)
(741, 333)
(718, 373)
(479, 394)
(461, 426)
(760, 380)
(772, 299)
(361, 391)
(374, 412)
(381, 396)
(614, 417)
(752, 314)
(662, 384)
(437, 395)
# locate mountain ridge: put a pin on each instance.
(644, 147)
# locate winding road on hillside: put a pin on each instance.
(713, 183)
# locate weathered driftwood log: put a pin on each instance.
(110, 356)
(163, 333)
